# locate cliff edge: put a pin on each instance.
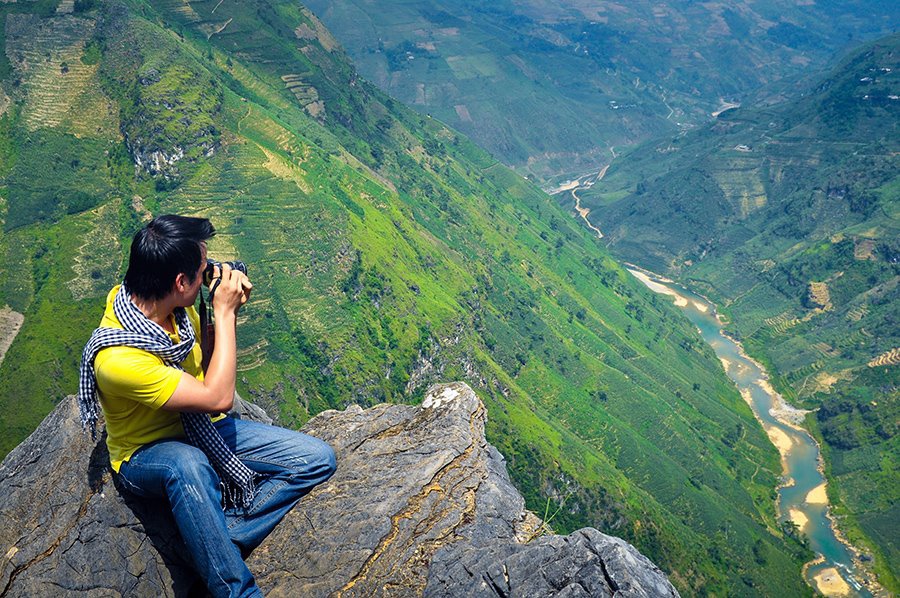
(421, 505)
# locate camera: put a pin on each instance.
(210, 271)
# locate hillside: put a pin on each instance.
(387, 252)
(787, 217)
(560, 87)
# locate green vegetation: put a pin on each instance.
(388, 252)
(53, 174)
(858, 423)
(787, 217)
(552, 88)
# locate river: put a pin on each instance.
(801, 498)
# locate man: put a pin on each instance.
(166, 436)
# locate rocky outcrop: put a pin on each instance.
(420, 505)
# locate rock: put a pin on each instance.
(245, 410)
(420, 505)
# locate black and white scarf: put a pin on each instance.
(238, 481)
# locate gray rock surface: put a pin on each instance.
(420, 505)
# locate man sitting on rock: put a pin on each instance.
(228, 481)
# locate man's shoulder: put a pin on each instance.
(109, 319)
(125, 358)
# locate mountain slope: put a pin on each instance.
(788, 217)
(386, 251)
(556, 87)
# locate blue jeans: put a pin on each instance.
(292, 463)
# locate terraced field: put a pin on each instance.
(782, 322)
(888, 358)
(102, 247)
(60, 90)
(741, 182)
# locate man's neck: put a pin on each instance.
(156, 310)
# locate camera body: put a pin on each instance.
(210, 271)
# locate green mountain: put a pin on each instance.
(558, 87)
(787, 216)
(387, 252)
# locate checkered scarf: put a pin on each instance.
(238, 481)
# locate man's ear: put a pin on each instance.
(181, 282)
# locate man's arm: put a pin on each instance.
(216, 392)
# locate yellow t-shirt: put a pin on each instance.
(133, 384)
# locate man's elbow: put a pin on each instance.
(225, 403)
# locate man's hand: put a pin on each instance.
(231, 289)
(216, 392)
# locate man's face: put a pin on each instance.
(194, 288)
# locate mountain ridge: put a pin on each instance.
(559, 88)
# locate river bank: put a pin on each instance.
(827, 580)
(802, 494)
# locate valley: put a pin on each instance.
(786, 216)
(802, 499)
(389, 252)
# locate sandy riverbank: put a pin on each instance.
(829, 583)
(817, 496)
(780, 439)
(701, 306)
(649, 275)
(798, 517)
(726, 363)
(567, 186)
(656, 287)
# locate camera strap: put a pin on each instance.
(207, 334)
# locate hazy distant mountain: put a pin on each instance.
(559, 87)
(387, 252)
(789, 217)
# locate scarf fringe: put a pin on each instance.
(236, 496)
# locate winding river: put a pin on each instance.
(801, 498)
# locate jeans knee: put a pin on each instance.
(326, 460)
(193, 467)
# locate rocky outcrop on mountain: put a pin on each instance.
(421, 504)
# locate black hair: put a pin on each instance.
(168, 246)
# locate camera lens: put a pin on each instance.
(210, 271)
